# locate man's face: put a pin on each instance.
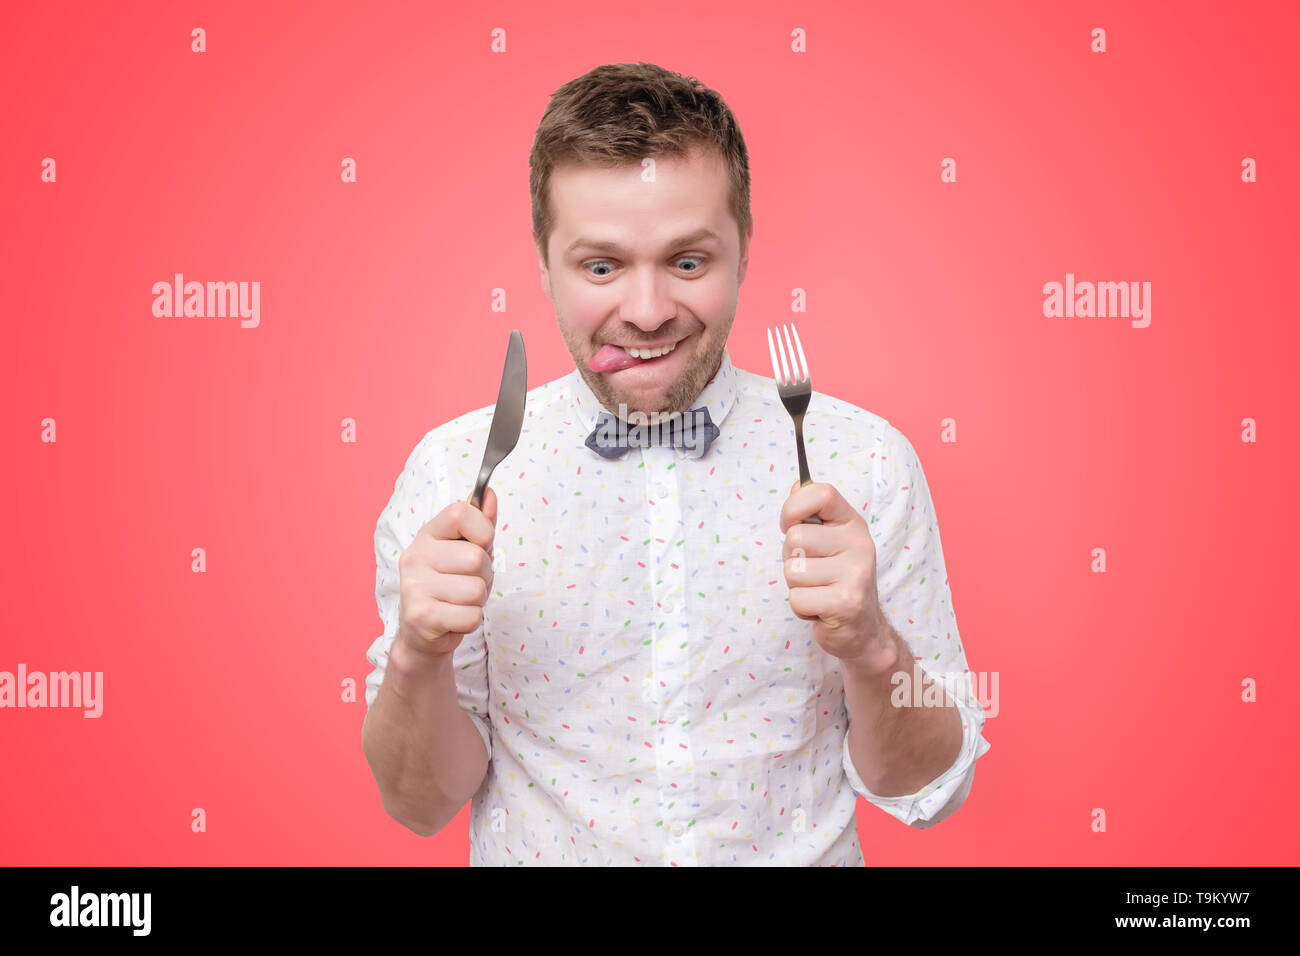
(629, 267)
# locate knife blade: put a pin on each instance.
(507, 417)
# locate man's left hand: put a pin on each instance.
(831, 572)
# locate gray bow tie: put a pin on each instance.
(692, 431)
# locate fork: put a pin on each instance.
(795, 391)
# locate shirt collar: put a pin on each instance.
(719, 395)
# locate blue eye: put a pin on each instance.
(606, 263)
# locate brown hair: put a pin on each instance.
(622, 112)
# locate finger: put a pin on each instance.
(799, 605)
(464, 589)
(461, 519)
(457, 557)
(802, 572)
(814, 602)
(816, 498)
(812, 541)
(462, 618)
(490, 505)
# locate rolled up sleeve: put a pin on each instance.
(941, 797)
(420, 493)
(912, 582)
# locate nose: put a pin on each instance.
(646, 303)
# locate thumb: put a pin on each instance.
(490, 505)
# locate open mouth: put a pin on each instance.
(614, 358)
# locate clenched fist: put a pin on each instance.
(446, 576)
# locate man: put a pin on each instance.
(634, 667)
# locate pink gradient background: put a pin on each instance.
(222, 690)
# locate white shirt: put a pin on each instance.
(644, 691)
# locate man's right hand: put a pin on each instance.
(446, 576)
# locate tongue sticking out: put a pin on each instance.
(611, 358)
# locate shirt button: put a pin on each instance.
(678, 829)
(661, 491)
(668, 607)
(672, 718)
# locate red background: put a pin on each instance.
(222, 690)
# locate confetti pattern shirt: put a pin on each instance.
(645, 693)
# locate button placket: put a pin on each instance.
(674, 759)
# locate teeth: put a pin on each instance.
(649, 353)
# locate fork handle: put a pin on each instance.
(804, 478)
(811, 519)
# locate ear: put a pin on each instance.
(545, 274)
(744, 256)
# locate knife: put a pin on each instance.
(507, 417)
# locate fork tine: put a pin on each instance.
(776, 369)
(798, 375)
(786, 377)
(802, 361)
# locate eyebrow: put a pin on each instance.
(605, 245)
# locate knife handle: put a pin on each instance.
(480, 487)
